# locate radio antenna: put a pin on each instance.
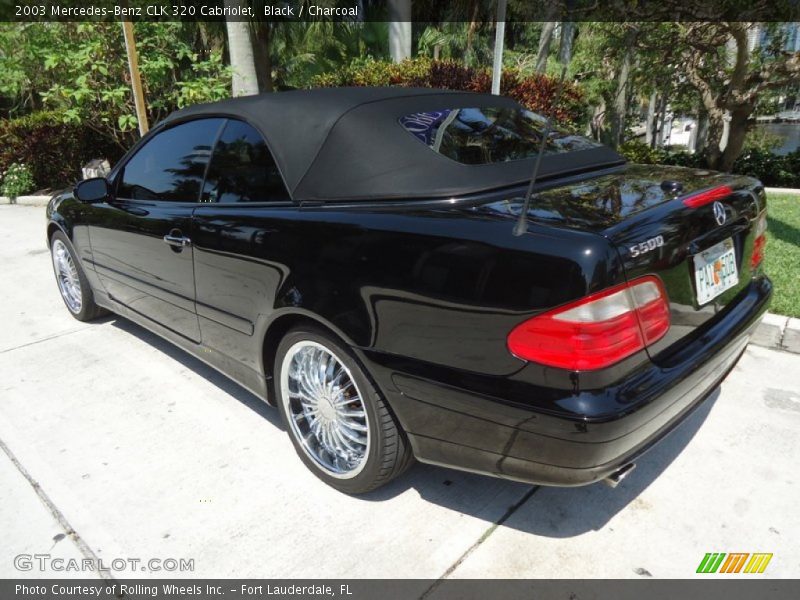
(522, 221)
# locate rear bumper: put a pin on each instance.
(456, 427)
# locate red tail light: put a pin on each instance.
(598, 330)
(707, 197)
(760, 243)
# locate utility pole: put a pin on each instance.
(136, 80)
(499, 35)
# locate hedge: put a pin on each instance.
(771, 169)
(535, 92)
(54, 151)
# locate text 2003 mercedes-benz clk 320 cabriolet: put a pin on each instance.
(361, 259)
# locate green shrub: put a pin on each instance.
(760, 139)
(16, 181)
(685, 159)
(53, 151)
(535, 92)
(641, 153)
(771, 169)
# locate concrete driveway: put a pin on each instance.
(117, 445)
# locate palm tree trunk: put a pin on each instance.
(240, 47)
(399, 29)
(499, 39)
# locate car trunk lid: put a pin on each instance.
(694, 229)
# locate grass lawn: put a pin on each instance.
(782, 262)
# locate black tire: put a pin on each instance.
(388, 454)
(88, 310)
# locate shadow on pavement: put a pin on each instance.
(552, 511)
(225, 384)
(549, 511)
(567, 512)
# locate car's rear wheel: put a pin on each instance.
(339, 423)
(72, 283)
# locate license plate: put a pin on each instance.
(715, 271)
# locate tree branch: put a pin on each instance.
(739, 33)
(775, 73)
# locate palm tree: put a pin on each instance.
(300, 51)
(451, 41)
(240, 47)
(399, 29)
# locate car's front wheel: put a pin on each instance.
(72, 283)
(339, 423)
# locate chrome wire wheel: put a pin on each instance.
(69, 283)
(324, 409)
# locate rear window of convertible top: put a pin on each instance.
(478, 136)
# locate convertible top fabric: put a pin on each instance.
(348, 144)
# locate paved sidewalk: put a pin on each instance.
(28, 200)
(114, 444)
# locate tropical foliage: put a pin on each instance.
(302, 51)
(618, 73)
(79, 72)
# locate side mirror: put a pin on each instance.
(92, 190)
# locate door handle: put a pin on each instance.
(178, 241)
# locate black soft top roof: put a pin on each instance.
(348, 144)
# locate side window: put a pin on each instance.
(242, 168)
(171, 165)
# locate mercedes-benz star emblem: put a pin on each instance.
(719, 213)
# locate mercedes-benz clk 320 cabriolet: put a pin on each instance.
(361, 259)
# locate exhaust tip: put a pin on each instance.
(617, 476)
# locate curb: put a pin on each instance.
(27, 200)
(773, 190)
(778, 332)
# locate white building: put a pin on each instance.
(759, 36)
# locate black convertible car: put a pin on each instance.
(350, 256)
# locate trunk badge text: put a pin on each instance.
(646, 246)
(719, 213)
